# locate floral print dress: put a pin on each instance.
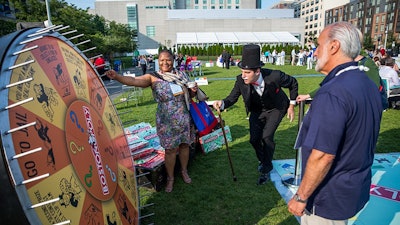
(173, 121)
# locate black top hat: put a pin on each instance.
(250, 57)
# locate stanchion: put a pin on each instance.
(294, 181)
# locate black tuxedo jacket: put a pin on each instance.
(273, 96)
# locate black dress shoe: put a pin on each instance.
(260, 167)
(263, 179)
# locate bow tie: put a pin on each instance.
(255, 84)
(259, 85)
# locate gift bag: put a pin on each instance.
(215, 140)
(203, 117)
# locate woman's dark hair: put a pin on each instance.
(166, 51)
(382, 61)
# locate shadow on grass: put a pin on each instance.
(214, 197)
(208, 73)
(132, 103)
(388, 141)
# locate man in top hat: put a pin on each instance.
(265, 101)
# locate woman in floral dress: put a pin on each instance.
(174, 124)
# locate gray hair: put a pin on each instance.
(348, 36)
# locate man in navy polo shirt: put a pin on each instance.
(339, 133)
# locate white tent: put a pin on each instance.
(187, 38)
(201, 38)
(206, 37)
(227, 37)
(266, 37)
(285, 37)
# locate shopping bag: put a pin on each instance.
(215, 140)
(203, 117)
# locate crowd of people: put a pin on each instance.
(338, 135)
(144, 62)
(388, 70)
(184, 62)
(302, 57)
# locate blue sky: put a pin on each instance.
(81, 3)
(268, 3)
(90, 3)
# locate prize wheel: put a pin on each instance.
(65, 158)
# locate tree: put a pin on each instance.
(312, 39)
(7, 27)
(29, 10)
(118, 38)
(107, 38)
(390, 39)
(368, 44)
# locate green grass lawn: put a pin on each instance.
(213, 197)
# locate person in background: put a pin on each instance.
(382, 50)
(266, 102)
(300, 56)
(266, 54)
(135, 62)
(310, 56)
(387, 72)
(188, 61)
(393, 61)
(143, 63)
(100, 65)
(226, 59)
(173, 121)
(179, 60)
(274, 56)
(224, 55)
(282, 56)
(293, 56)
(377, 61)
(278, 58)
(338, 134)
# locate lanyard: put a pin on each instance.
(347, 69)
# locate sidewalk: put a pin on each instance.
(137, 70)
(114, 88)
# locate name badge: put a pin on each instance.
(176, 89)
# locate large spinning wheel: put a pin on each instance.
(64, 154)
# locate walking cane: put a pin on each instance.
(226, 144)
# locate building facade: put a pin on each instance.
(313, 11)
(378, 19)
(158, 21)
(215, 4)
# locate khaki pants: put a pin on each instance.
(310, 219)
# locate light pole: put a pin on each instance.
(386, 31)
(48, 13)
(379, 41)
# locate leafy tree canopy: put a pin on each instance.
(107, 36)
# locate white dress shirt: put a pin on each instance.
(389, 73)
(259, 85)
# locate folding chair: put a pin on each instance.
(197, 68)
(389, 92)
(135, 93)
